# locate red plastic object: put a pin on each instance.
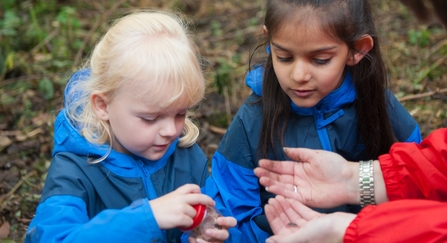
(201, 211)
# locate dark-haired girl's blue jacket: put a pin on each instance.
(108, 201)
(330, 125)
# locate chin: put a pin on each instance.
(151, 155)
(155, 157)
(305, 104)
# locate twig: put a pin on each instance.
(13, 80)
(217, 130)
(227, 105)
(430, 68)
(427, 70)
(92, 30)
(16, 186)
(45, 41)
(426, 94)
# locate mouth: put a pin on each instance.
(303, 93)
(161, 146)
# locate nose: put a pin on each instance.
(168, 128)
(300, 72)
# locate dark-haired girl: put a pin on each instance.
(323, 86)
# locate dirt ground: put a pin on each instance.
(226, 33)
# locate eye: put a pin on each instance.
(322, 61)
(284, 59)
(149, 120)
(181, 115)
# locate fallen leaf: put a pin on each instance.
(4, 142)
(4, 230)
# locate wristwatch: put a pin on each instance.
(366, 183)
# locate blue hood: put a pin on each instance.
(345, 94)
(67, 137)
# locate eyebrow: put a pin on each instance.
(313, 51)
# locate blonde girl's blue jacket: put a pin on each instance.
(108, 201)
(330, 125)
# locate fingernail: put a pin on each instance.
(266, 189)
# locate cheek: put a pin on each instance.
(281, 75)
(331, 81)
(280, 72)
(179, 124)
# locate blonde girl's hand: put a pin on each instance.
(175, 208)
(219, 235)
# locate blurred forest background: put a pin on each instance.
(42, 42)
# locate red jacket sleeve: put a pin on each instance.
(414, 171)
(400, 221)
(411, 171)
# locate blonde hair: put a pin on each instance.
(152, 46)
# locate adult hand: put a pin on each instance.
(175, 208)
(316, 178)
(291, 221)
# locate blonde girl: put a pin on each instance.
(125, 165)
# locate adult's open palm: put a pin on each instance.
(316, 178)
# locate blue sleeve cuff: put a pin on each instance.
(64, 218)
(415, 135)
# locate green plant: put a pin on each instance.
(216, 28)
(223, 76)
(419, 37)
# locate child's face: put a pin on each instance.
(308, 63)
(142, 128)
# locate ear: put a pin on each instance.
(264, 30)
(99, 105)
(362, 47)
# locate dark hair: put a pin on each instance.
(346, 20)
(423, 12)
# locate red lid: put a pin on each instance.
(201, 210)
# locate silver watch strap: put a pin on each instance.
(366, 183)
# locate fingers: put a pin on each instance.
(289, 211)
(299, 154)
(193, 195)
(281, 211)
(219, 235)
(279, 167)
(196, 198)
(226, 222)
(278, 218)
(267, 180)
(188, 188)
(260, 172)
(270, 177)
(273, 218)
(305, 212)
(289, 207)
(292, 211)
(175, 209)
(285, 190)
(222, 234)
(288, 238)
